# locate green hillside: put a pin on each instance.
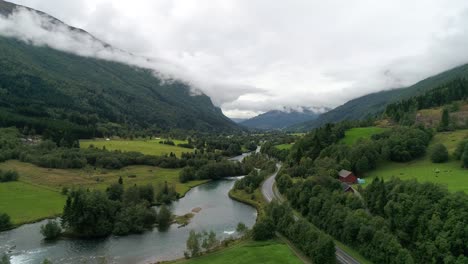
(46, 89)
(375, 103)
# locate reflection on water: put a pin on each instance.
(218, 213)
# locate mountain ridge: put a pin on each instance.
(374, 103)
(47, 89)
(280, 119)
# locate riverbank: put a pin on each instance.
(255, 200)
(247, 251)
(218, 213)
(37, 194)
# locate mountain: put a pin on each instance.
(51, 90)
(375, 103)
(279, 119)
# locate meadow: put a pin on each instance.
(284, 146)
(25, 202)
(37, 193)
(149, 147)
(354, 134)
(271, 252)
(449, 174)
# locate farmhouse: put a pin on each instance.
(347, 176)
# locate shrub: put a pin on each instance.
(51, 230)
(439, 153)
(8, 176)
(5, 222)
(263, 229)
(5, 259)
(460, 149)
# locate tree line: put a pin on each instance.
(318, 246)
(92, 214)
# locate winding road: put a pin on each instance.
(269, 193)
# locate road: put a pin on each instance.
(267, 186)
(270, 194)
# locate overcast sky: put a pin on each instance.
(257, 55)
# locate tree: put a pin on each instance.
(460, 149)
(445, 120)
(263, 229)
(51, 230)
(147, 193)
(465, 157)
(120, 180)
(241, 228)
(5, 222)
(46, 261)
(193, 244)
(164, 217)
(209, 240)
(439, 153)
(362, 165)
(115, 192)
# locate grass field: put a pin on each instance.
(149, 147)
(450, 173)
(271, 252)
(284, 146)
(37, 194)
(354, 134)
(25, 203)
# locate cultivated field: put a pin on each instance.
(354, 134)
(450, 173)
(37, 194)
(271, 252)
(149, 147)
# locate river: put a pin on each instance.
(218, 213)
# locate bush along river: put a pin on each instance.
(214, 210)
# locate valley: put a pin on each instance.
(162, 138)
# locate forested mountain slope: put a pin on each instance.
(47, 89)
(371, 104)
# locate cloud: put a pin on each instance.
(40, 30)
(251, 56)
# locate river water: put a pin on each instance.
(218, 213)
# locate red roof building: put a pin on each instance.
(347, 176)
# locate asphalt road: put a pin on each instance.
(269, 194)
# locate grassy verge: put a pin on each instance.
(149, 147)
(37, 194)
(273, 251)
(449, 174)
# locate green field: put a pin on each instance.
(284, 146)
(25, 203)
(271, 252)
(450, 173)
(149, 147)
(354, 134)
(37, 194)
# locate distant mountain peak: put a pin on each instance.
(284, 117)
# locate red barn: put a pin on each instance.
(347, 176)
